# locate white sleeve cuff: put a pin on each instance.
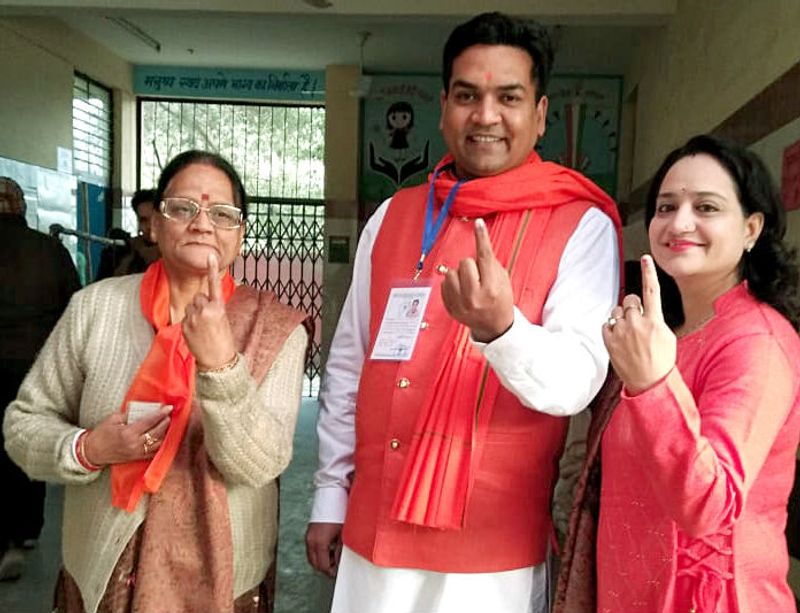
(74, 447)
(330, 505)
(508, 339)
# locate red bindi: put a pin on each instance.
(204, 197)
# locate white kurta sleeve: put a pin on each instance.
(337, 398)
(559, 366)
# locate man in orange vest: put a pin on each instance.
(439, 434)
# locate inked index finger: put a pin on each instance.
(214, 279)
(483, 246)
(651, 289)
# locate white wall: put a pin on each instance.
(709, 60)
(36, 107)
(40, 57)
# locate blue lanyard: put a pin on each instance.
(433, 226)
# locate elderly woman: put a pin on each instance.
(166, 403)
(698, 449)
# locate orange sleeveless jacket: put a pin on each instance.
(508, 514)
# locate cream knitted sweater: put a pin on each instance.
(82, 375)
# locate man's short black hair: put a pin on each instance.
(143, 195)
(500, 29)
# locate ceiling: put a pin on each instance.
(596, 36)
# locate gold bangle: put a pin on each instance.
(229, 366)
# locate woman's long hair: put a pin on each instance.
(770, 268)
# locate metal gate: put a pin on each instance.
(279, 152)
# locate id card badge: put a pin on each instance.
(400, 325)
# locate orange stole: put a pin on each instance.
(507, 516)
(167, 376)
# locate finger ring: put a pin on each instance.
(149, 441)
(611, 322)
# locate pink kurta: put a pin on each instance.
(697, 472)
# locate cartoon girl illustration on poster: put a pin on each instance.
(405, 164)
(399, 121)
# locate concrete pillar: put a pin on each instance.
(342, 144)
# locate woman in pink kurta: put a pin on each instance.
(698, 456)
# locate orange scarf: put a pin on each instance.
(439, 471)
(167, 376)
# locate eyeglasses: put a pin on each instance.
(184, 210)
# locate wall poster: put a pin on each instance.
(583, 126)
(229, 83)
(401, 139)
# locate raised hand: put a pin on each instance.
(641, 346)
(478, 294)
(113, 441)
(205, 325)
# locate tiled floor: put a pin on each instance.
(300, 590)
